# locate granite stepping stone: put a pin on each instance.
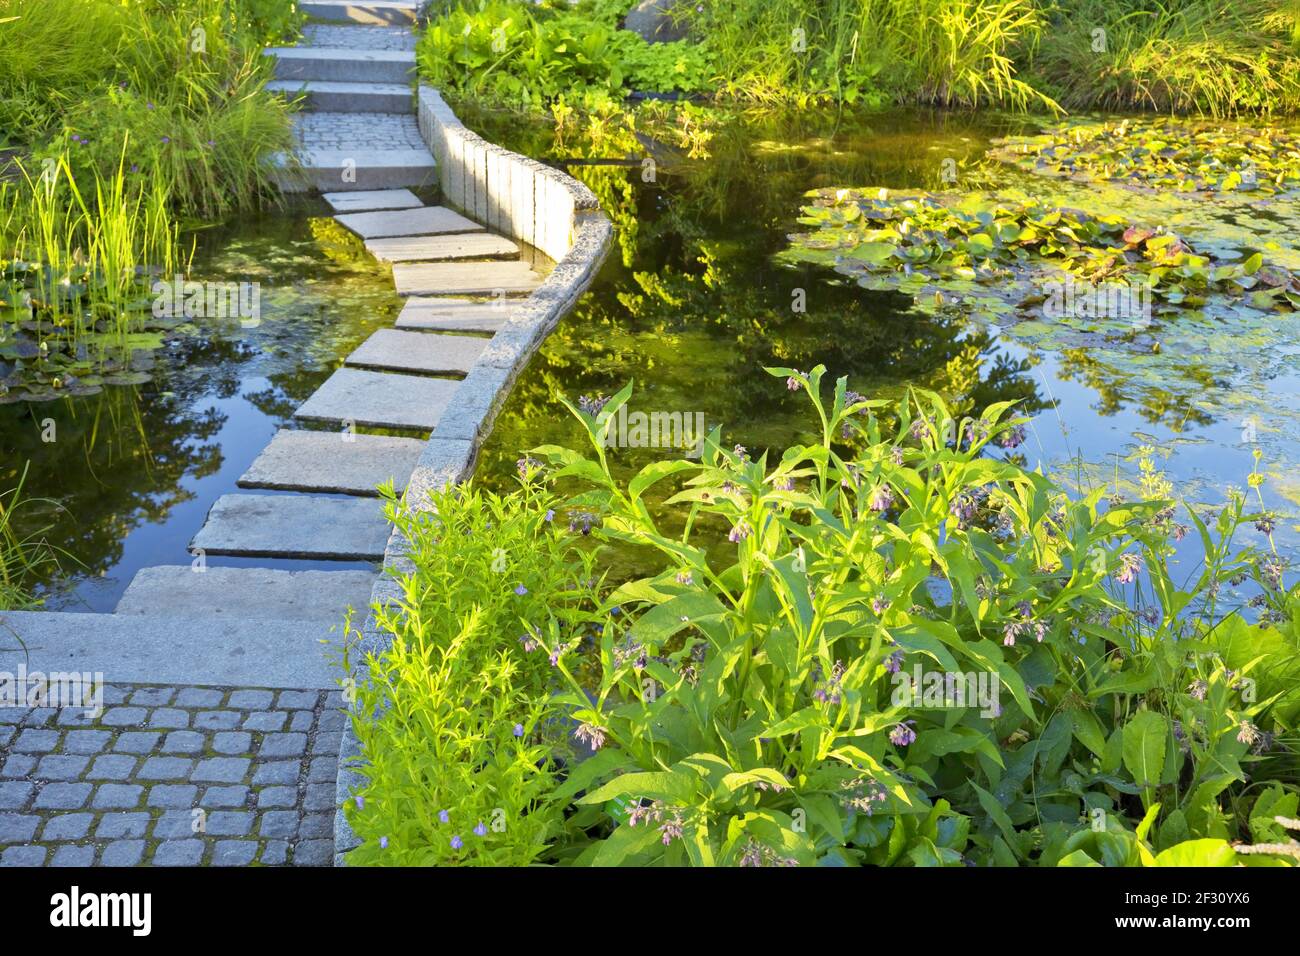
(338, 462)
(454, 315)
(427, 352)
(426, 220)
(294, 526)
(262, 593)
(465, 278)
(379, 400)
(469, 245)
(368, 200)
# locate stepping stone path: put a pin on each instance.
(220, 706)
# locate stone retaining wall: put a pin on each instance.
(528, 201)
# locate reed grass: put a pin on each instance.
(26, 554)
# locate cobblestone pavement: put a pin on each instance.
(370, 132)
(179, 776)
(335, 37)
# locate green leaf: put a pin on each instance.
(1198, 853)
(1145, 739)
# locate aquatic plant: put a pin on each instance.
(26, 554)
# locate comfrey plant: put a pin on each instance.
(743, 712)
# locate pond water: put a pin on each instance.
(692, 302)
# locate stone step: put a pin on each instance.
(364, 11)
(347, 36)
(378, 400)
(407, 222)
(362, 66)
(454, 315)
(294, 526)
(465, 278)
(335, 96)
(357, 170)
(263, 593)
(334, 462)
(372, 199)
(203, 651)
(397, 351)
(446, 248)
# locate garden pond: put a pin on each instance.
(703, 287)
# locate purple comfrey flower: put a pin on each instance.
(1130, 565)
(786, 484)
(166, 139)
(1247, 733)
(135, 168)
(894, 664)
(902, 734)
(741, 452)
(740, 532)
(964, 509)
(519, 730)
(527, 465)
(1265, 523)
(457, 843)
(1271, 570)
(480, 829)
(882, 496)
(686, 578)
(853, 398)
(585, 519)
(592, 406)
(1198, 689)
(1013, 437)
(383, 843)
(591, 735)
(896, 455)
(360, 801)
(550, 515)
(827, 691)
(672, 829)
(792, 383)
(1180, 531)
(879, 605)
(444, 816)
(863, 794)
(529, 642)
(148, 106)
(521, 590)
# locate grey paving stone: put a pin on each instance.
(17, 827)
(74, 717)
(15, 794)
(184, 742)
(115, 694)
(61, 766)
(371, 200)
(275, 853)
(112, 767)
(173, 796)
(283, 745)
(251, 699)
(67, 826)
(232, 742)
(121, 826)
(230, 823)
(165, 768)
(294, 526)
(234, 852)
(465, 278)
(323, 770)
(7, 734)
(23, 856)
(86, 741)
(346, 95)
(40, 716)
(379, 399)
(302, 721)
(273, 797)
(221, 770)
(300, 699)
(178, 824)
(332, 720)
(12, 715)
(423, 221)
(334, 700)
(445, 248)
(73, 856)
(361, 66)
(217, 719)
(316, 826)
(117, 796)
(320, 796)
(169, 717)
(36, 741)
(454, 315)
(62, 796)
(124, 717)
(266, 720)
(277, 772)
(137, 741)
(16, 765)
(313, 853)
(279, 824)
(327, 743)
(178, 853)
(122, 853)
(191, 697)
(153, 696)
(434, 353)
(336, 462)
(262, 593)
(225, 797)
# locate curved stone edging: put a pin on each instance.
(537, 204)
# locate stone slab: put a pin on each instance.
(369, 200)
(360, 170)
(446, 248)
(378, 12)
(336, 462)
(465, 278)
(379, 400)
(263, 593)
(136, 649)
(454, 315)
(322, 63)
(429, 352)
(294, 526)
(336, 96)
(426, 220)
